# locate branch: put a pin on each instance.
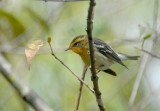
(69, 68)
(80, 89)
(153, 55)
(91, 50)
(138, 79)
(144, 59)
(22, 88)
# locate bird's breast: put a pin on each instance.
(101, 62)
(86, 58)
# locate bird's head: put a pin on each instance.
(79, 44)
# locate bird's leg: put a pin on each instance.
(99, 66)
(97, 71)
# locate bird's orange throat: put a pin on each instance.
(79, 51)
(84, 54)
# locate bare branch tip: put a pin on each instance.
(49, 40)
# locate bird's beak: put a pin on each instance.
(69, 48)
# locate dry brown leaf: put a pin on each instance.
(32, 49)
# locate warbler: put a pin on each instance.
(104, 54)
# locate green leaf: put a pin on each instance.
(145, 38)
(16, 25)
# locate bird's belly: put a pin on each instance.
(102, 62)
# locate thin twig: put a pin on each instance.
(139, 76)
(70, 69)
(153, 55)
(144, 60)
(138, 79)
(94, 77)
(25, 92)
(80, 88)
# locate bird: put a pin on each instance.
(105, 56)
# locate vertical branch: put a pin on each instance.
(94, 77)
(144, 58)
(80, 88)
(138, 78)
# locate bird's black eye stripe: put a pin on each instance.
(75, 44)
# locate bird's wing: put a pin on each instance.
(107, 51)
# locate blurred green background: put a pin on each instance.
(116, 22)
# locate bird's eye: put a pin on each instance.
(75, 44)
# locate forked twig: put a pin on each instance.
(49, 40)
(80, 88)
(144, 59)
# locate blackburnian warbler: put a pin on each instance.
(105, 56)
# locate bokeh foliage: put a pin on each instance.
(22, 21)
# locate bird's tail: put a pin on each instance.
(127, 57)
